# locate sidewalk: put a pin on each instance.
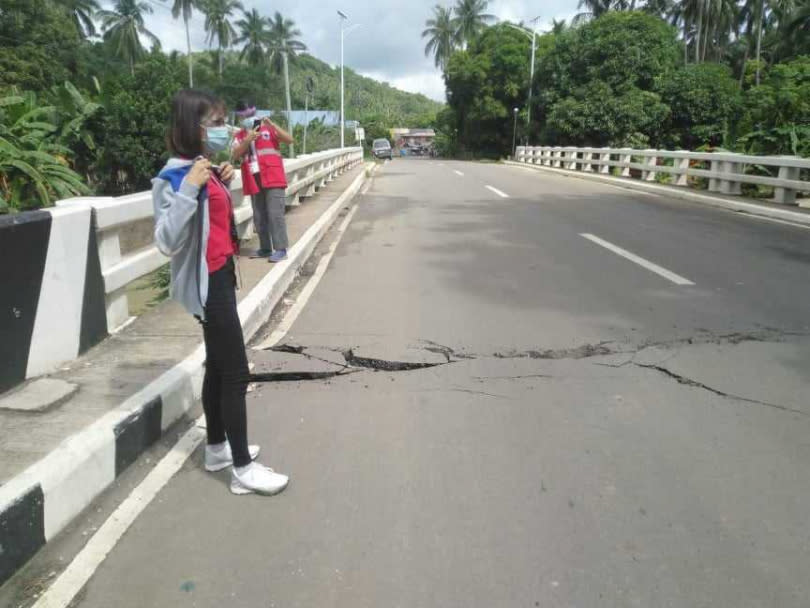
(160, 348)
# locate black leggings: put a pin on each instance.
(226, 366)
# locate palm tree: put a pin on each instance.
(253, 32)
(471, 19)
(218, 25)
(441, 33)
(558, 27)
(123, 27)
(81, 13)
(186, 7)
(283, 44)
(799, 20)
(593, 9)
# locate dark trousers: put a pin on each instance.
(226, 366)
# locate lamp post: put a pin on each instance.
(343, 31)
(531, 76)
(514, 135)
(310, 88)
(533, 35)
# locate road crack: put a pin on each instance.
(696, 384)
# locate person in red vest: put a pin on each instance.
(257, 145)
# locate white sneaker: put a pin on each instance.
(216, 460)
(259, 479)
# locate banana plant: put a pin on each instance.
(34, 162)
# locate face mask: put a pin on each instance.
(248, 123)
(217, 138)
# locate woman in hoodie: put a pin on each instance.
(194, 225)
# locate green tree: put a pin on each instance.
(441, 33)
(471, 19)
(82, 13)
(40, 45)
(254, 34)
(218, 24)
(131, 139)
(283, 43)
(186, 8)
(123, 28)
(703, 99)
(598, 81)
(484, 83)
(776, 117)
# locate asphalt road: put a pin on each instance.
(593, 434)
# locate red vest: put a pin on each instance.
(271, 166)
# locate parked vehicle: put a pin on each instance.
(381, 148)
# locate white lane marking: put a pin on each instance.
(498, 192)
(306, 293)
(670, 276)
(458, 172)
(76, 575)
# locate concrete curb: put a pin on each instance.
(39, 502)
(784, 215)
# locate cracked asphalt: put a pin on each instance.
(478, 407)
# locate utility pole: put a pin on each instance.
(514, 135)
(531, 76)
(343, 30)
(310, 88)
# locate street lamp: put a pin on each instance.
(310, 86)
(343, 31)
(514, 135)
(533, 35)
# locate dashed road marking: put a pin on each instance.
(457, 172)
(498, 192)
(663, 272)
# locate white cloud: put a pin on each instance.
(388, 46)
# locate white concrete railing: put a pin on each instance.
(305, 175)
(726, 172)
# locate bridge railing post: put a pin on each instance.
(604, 157)
(786, 195)
(558, 155)
(651, 161)
(520, 154)
(626, 158)
(587, 158)
(731, 168)
(682, 163)
(573, 155)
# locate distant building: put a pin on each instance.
(412, 138)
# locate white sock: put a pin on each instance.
(243, 470)
(217, 447)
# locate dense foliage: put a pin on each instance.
(81, 114)
(680, 74)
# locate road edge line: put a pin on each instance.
(39, 502)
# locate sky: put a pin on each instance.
(387, 46)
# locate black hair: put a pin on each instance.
(242, 105)
(189, 108)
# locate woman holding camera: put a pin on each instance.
(257, 146)
(194, 225)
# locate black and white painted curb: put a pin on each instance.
(741, 206)
(53, 292)
(37, 504)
